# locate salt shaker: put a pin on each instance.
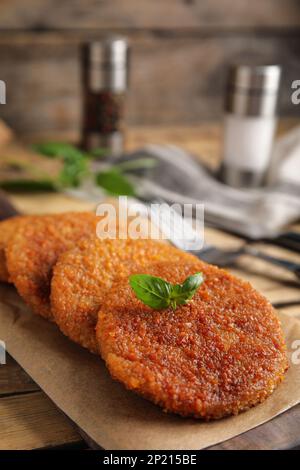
(250, 124)
(105, 81)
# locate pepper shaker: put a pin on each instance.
(105, 81)
(250, 124)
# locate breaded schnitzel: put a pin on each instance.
(83, 276)
(33, 250)
(220, 354)
(8, 228)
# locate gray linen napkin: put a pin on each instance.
(177, 177)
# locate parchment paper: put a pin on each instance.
(79, 384)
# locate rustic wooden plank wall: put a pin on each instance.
(180, 52)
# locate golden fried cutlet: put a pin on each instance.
(220, 354)
(33, 251)
(83, 276)
(8, 228)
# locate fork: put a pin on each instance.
(223, 258)
(210, 253)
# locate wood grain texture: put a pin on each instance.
(173, 80)
(109, 14)
(32, 421)
(180, 52)
(13, 379)
(281, 433)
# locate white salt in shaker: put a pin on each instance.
(250, 124)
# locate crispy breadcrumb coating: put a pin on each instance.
(8, 228)
(83, 276)
(220, 354)
(34, 249)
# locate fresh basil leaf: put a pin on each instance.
(182, 293)
(158, 293)
(192, 283)
(151, 290)
(115, 183)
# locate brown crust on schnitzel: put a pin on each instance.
(82, 278)
(220, 354)
(33, 251)
(8, 229)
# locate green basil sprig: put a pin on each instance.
(158, 293)
(75, 167)
(75, 162)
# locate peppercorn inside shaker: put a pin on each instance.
(250, 124)
(105, 81)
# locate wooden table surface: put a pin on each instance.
(29, 420)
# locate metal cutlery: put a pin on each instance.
(208, 253)
(223, 258)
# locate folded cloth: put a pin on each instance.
(178, 177)
(255, 213)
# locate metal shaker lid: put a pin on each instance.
(253, 89)
(112, 50)
(257, 77)
(106, 63)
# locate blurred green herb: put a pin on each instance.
(28, 185)
(75, 162)
(58, 149)
(115, 183)
(76, 166)
(73, 171)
